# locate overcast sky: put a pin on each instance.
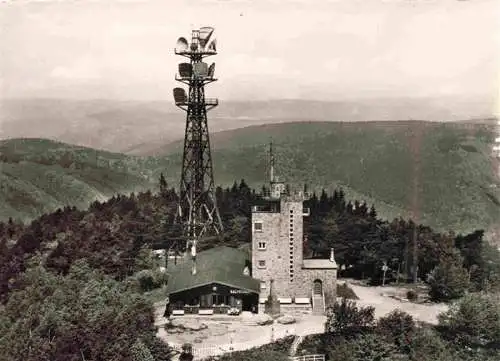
(267, 49)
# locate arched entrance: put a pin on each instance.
(317, 287)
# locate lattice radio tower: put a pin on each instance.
(197, 208)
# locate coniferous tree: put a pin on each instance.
(163, 185)
(349, 208)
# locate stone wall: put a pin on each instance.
(296, 310)
(284, 237)
(327, 276)
(272, 255)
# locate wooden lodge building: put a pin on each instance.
(222, 281)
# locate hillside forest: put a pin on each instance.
(440, 174)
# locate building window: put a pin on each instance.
(263, 285)
(220, 300)
(257, 227)
(291, 210)
(262, 264)
(262, 245)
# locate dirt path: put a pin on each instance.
(378, 297)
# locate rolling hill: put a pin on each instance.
(442, 172)
(39, 175)
(138, 127)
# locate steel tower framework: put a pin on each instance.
(197, 207)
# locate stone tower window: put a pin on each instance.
(262, 245)
(262, 264)
(257, 227)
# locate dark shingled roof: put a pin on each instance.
(220, 265)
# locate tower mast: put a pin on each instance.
(197, 209)
(271, 168)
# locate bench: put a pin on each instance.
(206, 312)
(302, 301)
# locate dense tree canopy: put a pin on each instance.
(111, 234)
(83, 315)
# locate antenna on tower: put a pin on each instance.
(197, 207)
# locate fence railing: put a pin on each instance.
(295, 345)
(201, 351)
(317, 357)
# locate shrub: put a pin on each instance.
(426, 345)
(344, 291)
(361, 348)
(140, 352)
(473, 321)
(397, 326)
(412, 296)
(449, 280)
(346, 318)
(150, 280)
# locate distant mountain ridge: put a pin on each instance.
(135, 126)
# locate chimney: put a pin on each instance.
(332, 255)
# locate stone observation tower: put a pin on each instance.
(277, 252)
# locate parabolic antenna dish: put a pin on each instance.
(212, 45)
(211, 70)
(205, 35)
(200, 69)
(180, 95)
(185, 70)
(182, 44)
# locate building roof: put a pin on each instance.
(223, 265)
(319, 264)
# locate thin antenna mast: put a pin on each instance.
(271, 167)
